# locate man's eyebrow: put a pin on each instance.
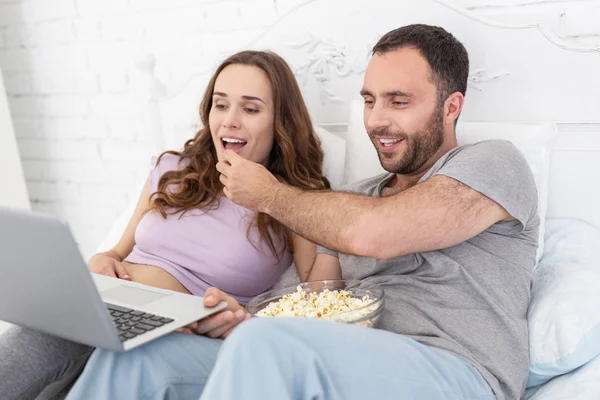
(391, 93)
(398, 93)
(246, 97)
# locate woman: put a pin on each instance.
(184, 234)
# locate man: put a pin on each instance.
(450, 233)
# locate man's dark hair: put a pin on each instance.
(446, 56)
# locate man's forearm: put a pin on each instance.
(331, 219)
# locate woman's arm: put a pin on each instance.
(312, 266)
(325, 267)
(109, 262)
(304, 256)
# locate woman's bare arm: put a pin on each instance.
(304, 256)
(127, 241)
(325, 267)
(312, 266)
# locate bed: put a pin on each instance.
(526, 85)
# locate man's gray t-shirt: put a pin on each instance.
(470, 299)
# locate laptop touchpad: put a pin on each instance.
(130, 295)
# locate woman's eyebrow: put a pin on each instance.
(253, 98)
(221, 94)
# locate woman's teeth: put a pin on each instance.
(228, 140)
(233, 143)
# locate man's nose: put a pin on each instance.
(377, 118)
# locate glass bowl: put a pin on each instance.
(366, 316)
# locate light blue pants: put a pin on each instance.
(282, 359)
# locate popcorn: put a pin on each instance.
(325, 304)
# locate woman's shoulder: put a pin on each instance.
(169, 162)
(164, 163)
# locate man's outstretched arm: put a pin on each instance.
(436, 214)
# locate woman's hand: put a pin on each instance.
(103, 264)
(221, 324)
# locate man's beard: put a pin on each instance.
(420, 146)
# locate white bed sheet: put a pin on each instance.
(569, 243)
(581, 384)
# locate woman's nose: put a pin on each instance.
(231, 120)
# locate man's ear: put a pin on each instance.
(453, 107)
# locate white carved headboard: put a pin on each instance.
(518, 74)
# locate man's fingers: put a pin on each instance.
(121, 271)
(223, 167)
(231, 156)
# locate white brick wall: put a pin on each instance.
(68, 71)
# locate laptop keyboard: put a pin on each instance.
(131, 323)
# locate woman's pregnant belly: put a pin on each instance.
(153, 276)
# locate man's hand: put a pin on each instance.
(247, 183)
(219, 325)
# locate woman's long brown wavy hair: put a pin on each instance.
(296, 156)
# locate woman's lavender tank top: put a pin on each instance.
(207, 248)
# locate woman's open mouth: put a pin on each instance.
(234, 144)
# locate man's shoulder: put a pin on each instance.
(474, 154)
(494, 146)
(366, 186)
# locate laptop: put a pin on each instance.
(46, 285)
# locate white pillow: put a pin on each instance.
(334, 149)
(564, 314)
(533, 140)
(118, 227)
(361, 157)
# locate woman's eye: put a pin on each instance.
(220, 106)
(251, 110)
